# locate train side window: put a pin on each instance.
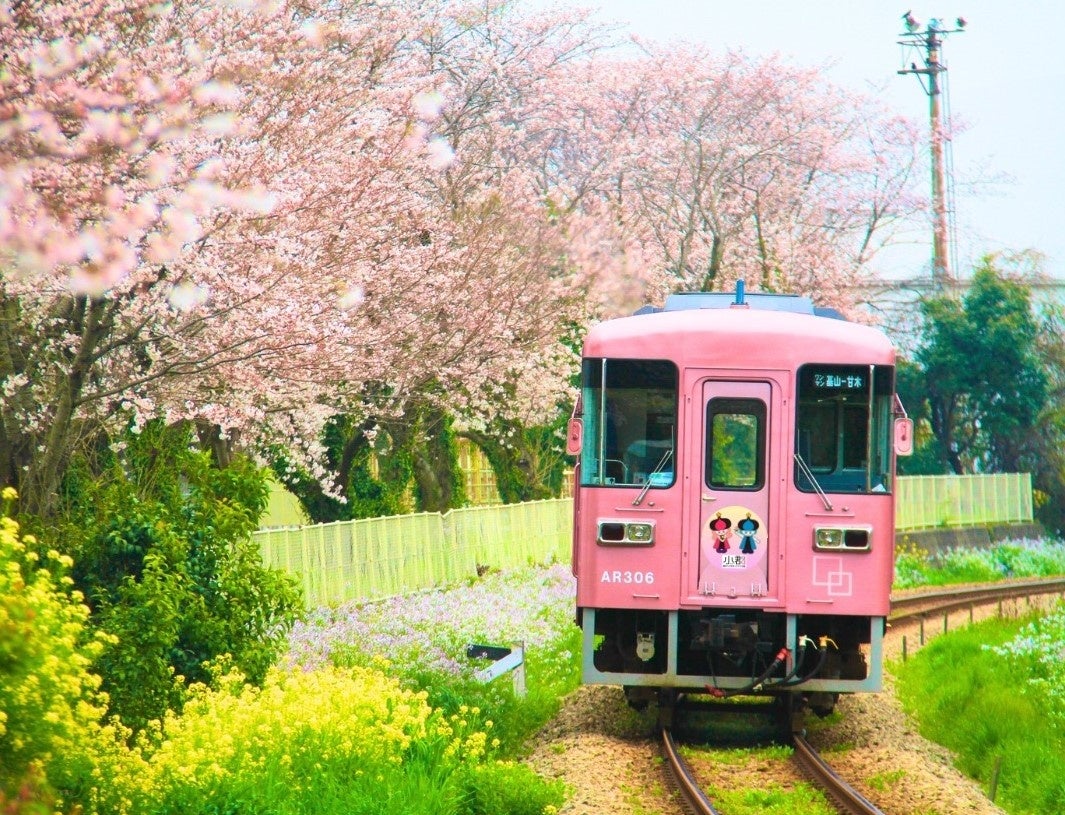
(735, 444)
(630, 418)
(843, 427)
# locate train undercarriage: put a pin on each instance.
(727, 652)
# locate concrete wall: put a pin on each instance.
(935, 540)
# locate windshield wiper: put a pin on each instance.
(658, 468)
(806, 471)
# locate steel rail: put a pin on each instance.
(848, 798)
(694, 799)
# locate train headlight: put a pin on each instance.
(640, 533)
(852, 538)
(827, 538)
(626, 533)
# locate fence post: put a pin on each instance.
(995, 770)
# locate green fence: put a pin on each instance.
(929, 501)
(382, 557)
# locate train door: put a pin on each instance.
(734, 489)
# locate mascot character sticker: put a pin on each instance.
(732, 553)
(748, 528)
(722, 531)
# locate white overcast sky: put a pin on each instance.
(1006, 88)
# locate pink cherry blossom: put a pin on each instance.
(258, 215)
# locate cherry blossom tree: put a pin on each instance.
(485, 341)
(258, 216)
(721, 167)
(91, 124)
(349, 271)
(499, 78)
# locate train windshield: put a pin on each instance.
(844, 428)
(630, 420)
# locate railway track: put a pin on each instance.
(946, 600)
(810, 763)
(808, 760)
(848, 799)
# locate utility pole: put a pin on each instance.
(930, 40)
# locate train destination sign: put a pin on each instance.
(837, 379)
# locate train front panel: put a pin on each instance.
(733, 525)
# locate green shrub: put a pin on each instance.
(161, 540)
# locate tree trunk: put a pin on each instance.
(943, 427)
(44, 471)
(517, 476)
(717, 251)
(425, 432)
(221, 447)
(436, 472)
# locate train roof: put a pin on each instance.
(752, 330)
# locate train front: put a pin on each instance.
(734, 510)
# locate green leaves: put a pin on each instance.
(982, 373)
(162, 544)
(988, 385)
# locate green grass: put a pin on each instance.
(756, 798)
(883, 781)
(983, 692)
(802, 799)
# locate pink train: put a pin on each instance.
(734, 503)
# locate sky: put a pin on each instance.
(1005, 91)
